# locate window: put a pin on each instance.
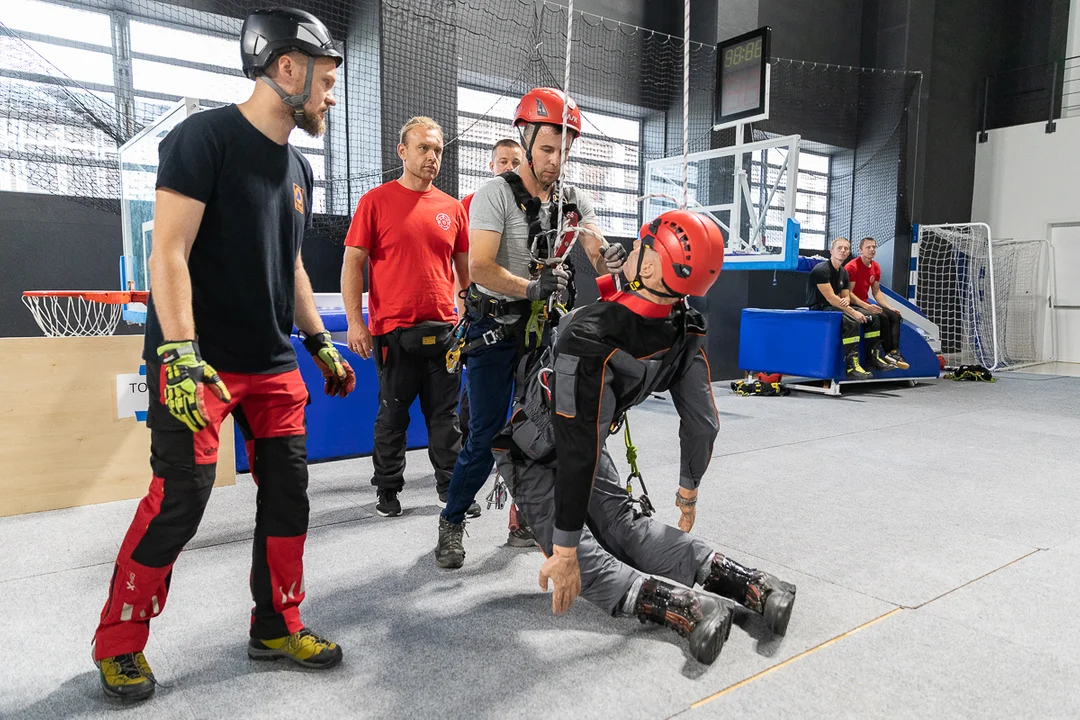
(605, 161)
(40, 58)
(60, 21)
(50, 89)
(176, 81)
(149, 39)
(811, 200)
(57, 70)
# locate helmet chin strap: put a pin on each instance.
(528, 151)
(296, 102)
(636, 284)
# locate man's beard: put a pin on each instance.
(311, 123)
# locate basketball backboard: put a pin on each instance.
(745, 190)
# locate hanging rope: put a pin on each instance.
(563, 144)
(686, 107)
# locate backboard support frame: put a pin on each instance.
(751, 252)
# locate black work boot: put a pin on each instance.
(854, 369)
(701, 618)
(520, 535)
(450, 552)
(763, 593)
(877, 359)
(897, 359)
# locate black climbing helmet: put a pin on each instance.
(267, 34)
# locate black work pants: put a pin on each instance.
(890, 329)
(402, 377)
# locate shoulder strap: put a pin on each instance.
(521, 196)
(526, 202)
(531, 205)
(607, 286)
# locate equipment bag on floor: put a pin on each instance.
(971, 373)
(746, 388)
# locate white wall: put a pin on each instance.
(1025, 181)
(1071, 80)
(1026, 178)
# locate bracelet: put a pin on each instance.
(684, 501)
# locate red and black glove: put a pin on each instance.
(339, 375)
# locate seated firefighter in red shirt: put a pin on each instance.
(865, 277)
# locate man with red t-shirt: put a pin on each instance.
(416, 236)
(865, 275)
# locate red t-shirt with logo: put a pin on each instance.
(864, 276)
(411, 238)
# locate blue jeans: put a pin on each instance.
(489, 382)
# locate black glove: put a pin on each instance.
(553, 279)
(614, 256)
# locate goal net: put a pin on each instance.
(987, 296)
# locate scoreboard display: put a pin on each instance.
(742, 78)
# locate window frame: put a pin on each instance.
(760, 189)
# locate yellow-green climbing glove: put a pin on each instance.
(185, 374)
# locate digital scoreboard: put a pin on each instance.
(742, 79)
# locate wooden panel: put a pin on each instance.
(62, 444)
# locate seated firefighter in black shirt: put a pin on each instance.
(827, 289)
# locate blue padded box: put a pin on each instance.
(806, 343)
(341, 427)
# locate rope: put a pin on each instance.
(565, 118)
(647, 508)
(631, 450)
(686, 106)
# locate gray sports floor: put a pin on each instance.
(933, 532)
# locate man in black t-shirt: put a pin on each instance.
(827, 289)
(233, 203)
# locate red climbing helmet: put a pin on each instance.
(545, 105)
(691, 249)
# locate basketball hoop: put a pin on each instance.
(79, 313)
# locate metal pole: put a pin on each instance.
(983, 136)
(1051, 126)
(993, 295)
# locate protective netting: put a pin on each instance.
(854, 125)
(987, 297)
(77, 80)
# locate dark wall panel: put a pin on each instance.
(967, 36)
(53, 243)
(823, 31)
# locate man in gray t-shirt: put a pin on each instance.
(499, 264)
(494, 210)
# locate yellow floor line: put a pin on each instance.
(827, 643)
(790, 660)
(984, 575)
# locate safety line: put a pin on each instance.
(792, 659)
